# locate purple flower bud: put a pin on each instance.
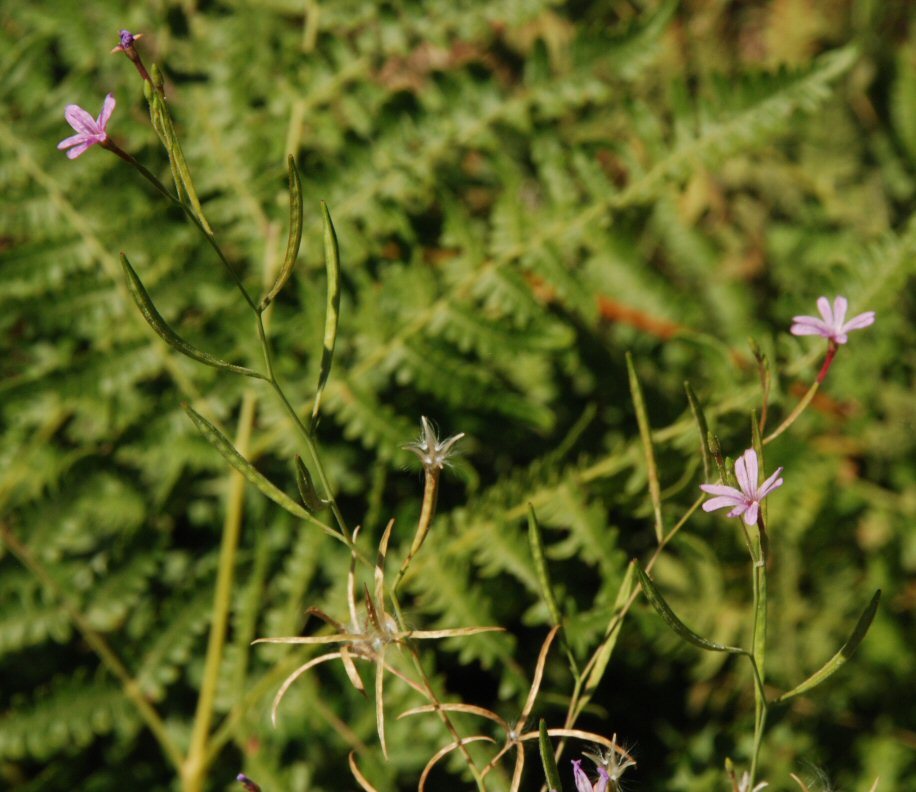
(246, 782)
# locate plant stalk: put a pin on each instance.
(194, 770)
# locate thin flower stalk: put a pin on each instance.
(434, 454)
(745, 502)
(833, 326)
(94, 132)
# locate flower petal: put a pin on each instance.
(582, 782)
(746, 472)
(740, 509)
(823, 305)
(772, 483)
(74, 152)
(840, 306)
(722, 489)
(860, 321)
(750, 516)
(724, 502)
(810, 329)
(80, 120)
(603, 779)
(107, 109)
(73, 140)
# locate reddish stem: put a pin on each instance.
(832, 348)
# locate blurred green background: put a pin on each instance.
(523, 191)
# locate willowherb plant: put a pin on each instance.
(375, 630)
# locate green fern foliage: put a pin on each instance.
(523, 191)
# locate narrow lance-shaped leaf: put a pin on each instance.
(295, 235)
(306, 486)
(763, 372)
(540, 565)
(700, 417)
(332, 312)
(715, 448)
(543, 574)
(645, 432)
(551, 772)
(166, 130)
(606, 649)
(229, 452)
(664, 610)
(846, 651)
(155, 320)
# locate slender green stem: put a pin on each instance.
(208, 235)
(315, 459)
(758, 643)
(100, 646)
(194, 770)
(262, 333)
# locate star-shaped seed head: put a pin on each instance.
(433, 454)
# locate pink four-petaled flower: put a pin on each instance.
(89, 130)
(746, 500)
(832, 324)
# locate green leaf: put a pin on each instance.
(332, 313)
(658, 602)
(846, 651)
(295, 235)
(551, 772)
(645, 433)
(161, 117)
(155, 320)
(540, 565)
(603, 655)
(222, 444)
(700, 417)
(306, 486)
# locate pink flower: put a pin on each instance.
(744, 501)
(582, 782)
(832, 325)
(89, 130)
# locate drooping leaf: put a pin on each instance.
(845, 652)
(229, 452)
(295, 235)
(700, 417)
(540, 566)
(155, 320)
(310, 498)
(664, 610)
(332, 310)
(645, 432)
